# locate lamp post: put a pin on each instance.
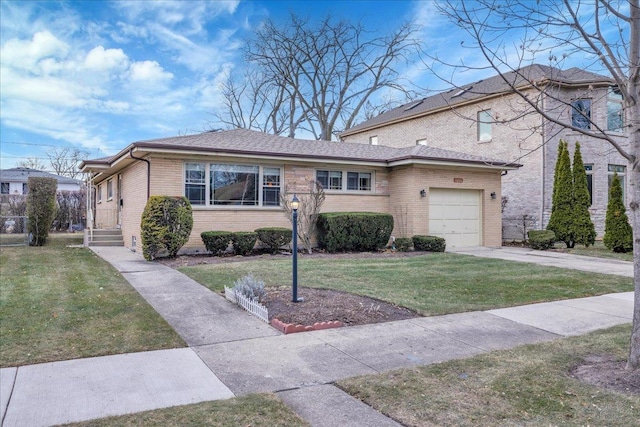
(295, 203)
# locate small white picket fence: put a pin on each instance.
(253, 307)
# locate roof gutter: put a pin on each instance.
(148, 169)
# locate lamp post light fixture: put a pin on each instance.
(295, 204)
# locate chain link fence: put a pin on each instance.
(13, 230)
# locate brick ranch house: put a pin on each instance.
(486, 118)
(234, 178)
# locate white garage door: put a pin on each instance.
(455, 216)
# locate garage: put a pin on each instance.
(455, 216)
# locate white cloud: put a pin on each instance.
(148, 73)
(100, 59)
(26, 54)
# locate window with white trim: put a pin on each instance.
(621, 171)
(484, 125)
(110, 189)
(221, 184)
(345, 180)
(615, 116)
(373, 140)
(99, 193)
(588, 169)
(4, 188)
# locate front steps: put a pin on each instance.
(110, 237)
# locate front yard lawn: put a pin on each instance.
(527, 386)
(432, 284)
(59, 303)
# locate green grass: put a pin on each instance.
(596, 250)
(59, 303)
(254, 410)
(432, 284)
(526, 386)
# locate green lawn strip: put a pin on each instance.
(59, 303)
(526, 386)
(597, 250)
(253, 410)
(432, 284)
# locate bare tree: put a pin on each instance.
(311, 201)
(314, 76)
(605, 31)
(32, 163)
(64, 161)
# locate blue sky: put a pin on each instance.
(98, 75)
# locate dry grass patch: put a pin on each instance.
(527, 386)
(256, 410)
(59, 302)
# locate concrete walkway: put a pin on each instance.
(232, 353)
(551, 259)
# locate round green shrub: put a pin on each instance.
(429, 243)
(243, 242)
(541, 239)
(166, 226)
(273, 238)
(216, 242)
(403, 244)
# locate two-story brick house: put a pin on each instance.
(487, 118)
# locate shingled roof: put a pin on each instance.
(496, 85)
(21, 174)
(243, 142)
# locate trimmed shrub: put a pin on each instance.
(274, 237)
(243, 242)
(166, 226)
(562, 212)
(250, 287)
(584, 232)
(541, 239)
(354, 231)
(429, 243)
(403, 244)
(41, 208)
(618, 234)
(216, 242)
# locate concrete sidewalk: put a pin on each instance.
(232, 353)
(551, 259)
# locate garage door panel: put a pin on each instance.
(455, 216)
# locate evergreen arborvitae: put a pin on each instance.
(584, 232)
(561, 147)
(561, 221)
(618, 234)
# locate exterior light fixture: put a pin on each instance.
(493, 195)
(423, 193)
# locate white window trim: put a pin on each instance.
(344, 190)
(109, 184)
(207, 185)
(99, 193)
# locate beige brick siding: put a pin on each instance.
(399, 188)
(518, 136)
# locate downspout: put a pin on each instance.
(148, 170)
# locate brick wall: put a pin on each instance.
(517, 136)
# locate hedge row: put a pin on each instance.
(243, 242)
(354, 231)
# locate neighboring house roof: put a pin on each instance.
(249, 143)
(535, 74)
(21, 174)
